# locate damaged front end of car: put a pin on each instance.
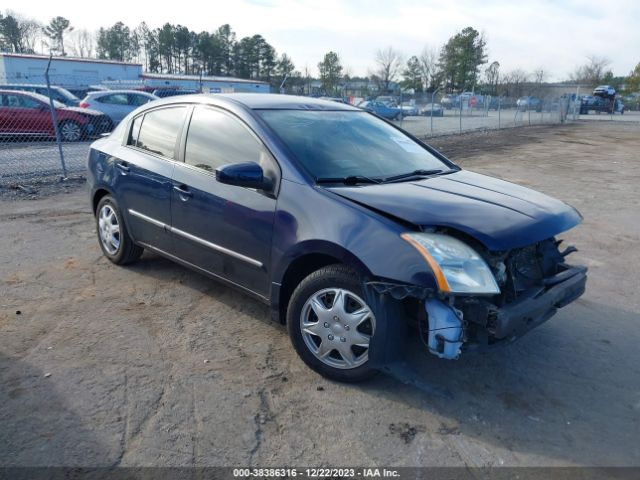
(483, 298)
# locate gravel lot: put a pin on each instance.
(156, 365)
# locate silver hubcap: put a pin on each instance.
(109, 229)
(337, 327)
(70, 131)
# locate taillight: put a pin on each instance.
(84, 105)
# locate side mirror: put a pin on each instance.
(248, 174)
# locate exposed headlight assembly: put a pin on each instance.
(458, 268)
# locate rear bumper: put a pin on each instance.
(538, 305)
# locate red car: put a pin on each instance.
(29, 114)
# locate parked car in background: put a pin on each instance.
(28, 114)
(334, 99)
(117, 104)
(595, 104)
(432, 109)
(382, 109)
(529, 103)
(171, 92)
(83, 92)
(409, 109)
(60, 94)
(348, 228)
(450, 100)
(387, 100)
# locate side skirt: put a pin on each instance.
(209, 274)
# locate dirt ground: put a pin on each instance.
(156, 365)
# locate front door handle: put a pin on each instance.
(183, 192)
(123, 167)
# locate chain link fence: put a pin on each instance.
(44, 131)
(429, 114)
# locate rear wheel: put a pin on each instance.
(70, 131)
(331, 325)
(114, 239)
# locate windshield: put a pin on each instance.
(340, 144)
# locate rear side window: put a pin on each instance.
(138, 100)
(19, 101)
(216, 138)
(114, 99)
(135, 131)
(159, 131)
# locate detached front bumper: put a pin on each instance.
(537, 305)
(477, 324)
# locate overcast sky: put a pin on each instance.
(554, 35)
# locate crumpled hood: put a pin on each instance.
(499, 214)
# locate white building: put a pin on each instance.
(206, 84)
(68, 72)
(79, 73)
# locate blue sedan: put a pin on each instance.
(347, 226)
(383, 110)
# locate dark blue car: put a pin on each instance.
(352, 230)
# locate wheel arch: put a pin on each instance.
(98, 195)
(314, 256)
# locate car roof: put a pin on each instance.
(275, 101)
(105, 92)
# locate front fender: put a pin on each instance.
(346, 230)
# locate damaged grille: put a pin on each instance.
(527, 267)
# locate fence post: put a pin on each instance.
(575, 103)
(54, 119)
(499, 104)
(460, 115)
(433, 94)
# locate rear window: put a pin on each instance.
(159, 131)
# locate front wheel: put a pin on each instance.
(331, 325)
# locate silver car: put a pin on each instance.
(116, 103)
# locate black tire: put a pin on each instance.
(398, 117)
(332, 276)
(70, 131)
(127, 251)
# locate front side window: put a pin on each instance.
(216, 138)
(159, 131)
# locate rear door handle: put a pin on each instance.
(183, 191)
(123, 166)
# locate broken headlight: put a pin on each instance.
(458, 268)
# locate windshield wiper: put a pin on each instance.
(349, 180)
(415, 173)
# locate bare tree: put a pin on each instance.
(593, 72)
(388, 66)
(513, 83)
(539, 75)
(429, 67)
(492, 75)
(81, 43)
